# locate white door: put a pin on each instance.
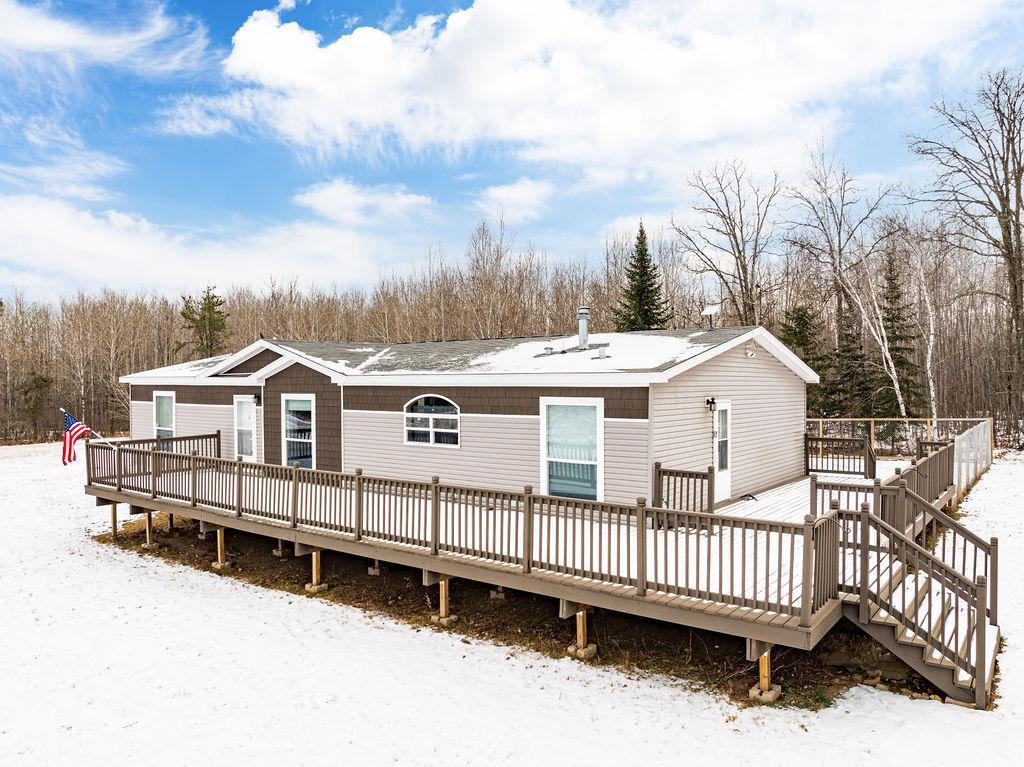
(245, 427)
(723, 450)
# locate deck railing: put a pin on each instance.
(935, 602)
(897, 436)
(755, 563)
(839, 455)
(683, 490)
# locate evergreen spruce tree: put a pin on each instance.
(897, 318)
(801, 331)
(641, 306)
(205, 321)
(853, 383)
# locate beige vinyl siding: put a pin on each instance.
(197, 419)
(495, 451)
(768, 411)
(141, 426)
(626, 469)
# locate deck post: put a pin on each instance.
(444, 616)
(170, 522)
(869, 463)
(764, 691)
(711, 489)
(113, 519)
(222, 552)
(993, 579)
(814, 495)
(316, 584)
(656, 499)
(900, 518)
(150, 545)
(807, 454)
(218, 443)
(152, 471)
(118, 467)
(435, 514)
(527, 528)
(807, 584)
(864, 544)
(871, 433)
(358, 521)
(876, 500)
(193, 475)
(238, 486)
(980, 659)
(641, 546)
(295, 494)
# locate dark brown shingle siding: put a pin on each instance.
(298, 379)
(194, 395)
(497, 400)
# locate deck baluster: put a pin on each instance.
(641, 546)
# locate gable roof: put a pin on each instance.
(623, 359)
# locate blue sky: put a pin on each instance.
(163, 146)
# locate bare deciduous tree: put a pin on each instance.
(733, 235)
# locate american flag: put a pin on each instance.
(73, 431)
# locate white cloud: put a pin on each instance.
(58, 161)
(517, 202)
(348, 203)
(624, 92)
(54, 246)
(34, 37)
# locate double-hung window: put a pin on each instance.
(163, 414)
(430, 419)
(572, 447)
(298, 427)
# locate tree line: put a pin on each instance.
(908, 302)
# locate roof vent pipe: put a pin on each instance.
(583, 315)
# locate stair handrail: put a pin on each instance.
(989, 551)
(973, 593)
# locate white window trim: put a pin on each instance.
(174, 414)
(597, 402)
(284, 439)
(458, 423)
(234, 410)
(726, 405)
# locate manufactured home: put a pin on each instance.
(583, 416)
(665, 474)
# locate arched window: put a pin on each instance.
(432, 420)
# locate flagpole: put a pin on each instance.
(102, 438)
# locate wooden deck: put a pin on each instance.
(776, 568)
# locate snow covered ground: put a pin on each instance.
(106, 656)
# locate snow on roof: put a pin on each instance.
(640, 352)
(606, 352)
(194, 368)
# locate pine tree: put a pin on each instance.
(641, 306)
(35, 398)
(205, 321)
(801, 330)
(897, 319)
(853, 384)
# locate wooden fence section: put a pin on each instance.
(912, 498)
(839, 455)
(683, 490)
(897, 436)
